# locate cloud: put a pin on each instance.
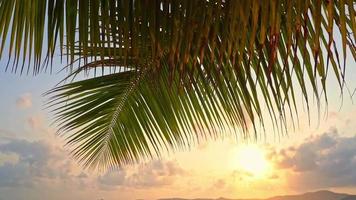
(327, 160)
(156, 173)
(38, 124)
(32, 159)
(31, 152)
(113, 178)
(219, 184)
(38, 161)
(240, 174)
(5, 134)
(42, 165)
(153, 174)
(24, 101)
(35, 121)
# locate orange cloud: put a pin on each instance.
(24, 101)
(35, 121)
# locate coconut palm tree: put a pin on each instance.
(166, 74)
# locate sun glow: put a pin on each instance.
(252, 159)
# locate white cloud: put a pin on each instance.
(24, 101)
(113, 178)
(328, 160)
(37, 162)
(44, 166)
(32, 160)
(153, 174)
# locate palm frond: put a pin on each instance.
(126, 117)
(188, 30)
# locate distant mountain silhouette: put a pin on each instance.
(319, 195)
(349, 197)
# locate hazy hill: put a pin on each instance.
(319, 195)
(349, 197)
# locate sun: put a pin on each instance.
(252, 159)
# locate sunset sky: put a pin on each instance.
(34, 164)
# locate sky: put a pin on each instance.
(35, 164)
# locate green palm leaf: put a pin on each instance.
(126, 117)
